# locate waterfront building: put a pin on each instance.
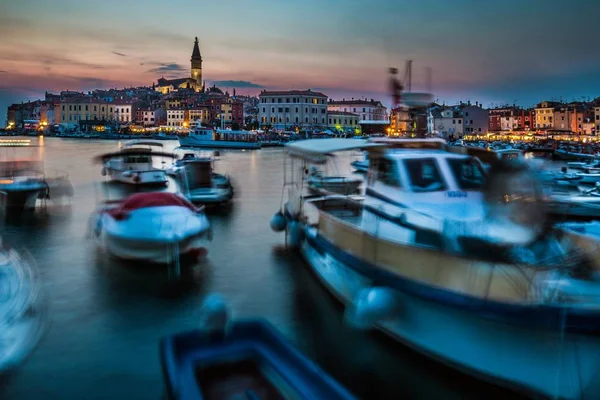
(150, 116)
(76, 109)
(475, 118)
(399, 120)
(199, 114)
(194, 82)
(597, 120)
(177, 117)
(445, 121)
(232, 113)
(342, 121)
(367, 110)
(123, 113)
(544, 115)
(292, 108)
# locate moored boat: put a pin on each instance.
(134, 163)
(240, 359)
(156, 227)
(22, 177)
(201, 184)
(441, 258)
(205, 137)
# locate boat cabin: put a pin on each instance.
(435, 182)
(198, 173)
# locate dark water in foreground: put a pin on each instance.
(105, 318)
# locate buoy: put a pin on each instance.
(295, 234)
(278, 222)
(371, 306)
(214, 314)
(103, 172)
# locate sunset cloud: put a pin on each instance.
(513, 50)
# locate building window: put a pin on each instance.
(273, 109)
(287, 109)
(280, 109)
(306, 120)
(296, 109)
(306, 111)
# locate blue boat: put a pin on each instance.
(249, 359)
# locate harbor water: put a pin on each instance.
(104, 318)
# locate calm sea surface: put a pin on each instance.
(105, 318)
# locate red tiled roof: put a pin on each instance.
(347, 102)
(291, 93)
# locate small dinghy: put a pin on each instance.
(240, 360)
(20, 318)
(157, 227)
(317, 181)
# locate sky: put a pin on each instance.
(494, 52)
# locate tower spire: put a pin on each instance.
(196, 62)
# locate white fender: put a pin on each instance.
(371, 306)
(214, 314)
(278, 222)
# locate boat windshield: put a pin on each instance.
(467, 173)
(424, 175)
(138, 160)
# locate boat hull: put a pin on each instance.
(589, 178)
(165, 252)
(210, 196)
(218, 144)
(143, 178)
(506, 354)
(158, 235)
(22, 197)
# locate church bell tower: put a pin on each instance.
(197, 65)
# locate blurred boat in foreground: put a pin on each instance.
(245, 359)
(155, 227)
(20, 314)
(460, 264)
(23, 180)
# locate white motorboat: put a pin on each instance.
(22, 177)
(205, 137)
(317, 181)
(21, 316)
(201, 185)
(156, 227)
(134, 163)
(584, 165)
(574, 202)
(466, 276)
(589, 176)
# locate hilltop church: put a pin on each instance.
(195, 82)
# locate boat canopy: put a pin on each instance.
(424, 144)
(317, 150)
(131, 152)
(143, 143)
